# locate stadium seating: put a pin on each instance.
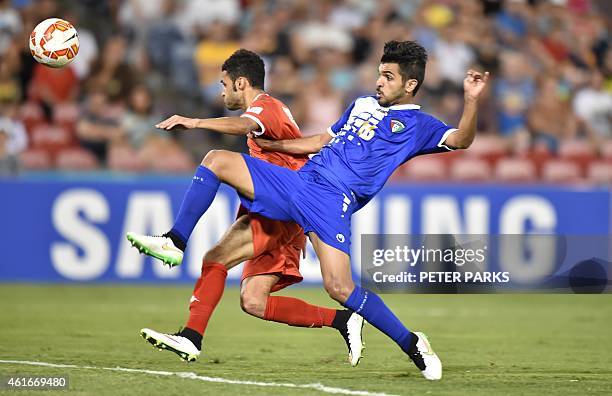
(606, 151)
(579, 151)
(424, 168)
(66, 115)
(600, 172)
(515, 170)
(36, 159)
(175, 162)
(490, 148)
(538, 156)
(561, 171)
(124, 159)
(76, 159)
(31, 115)
(470, 169)
(52, 138)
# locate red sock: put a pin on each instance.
(206, 295)
(298, 313)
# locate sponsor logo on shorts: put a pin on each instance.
(340, 238)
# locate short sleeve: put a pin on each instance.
(265, 116)
(434, 133)
(337, 126)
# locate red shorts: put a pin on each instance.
(277, 246)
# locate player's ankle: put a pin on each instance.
(341, 319)
(176, 239)
(193, 336)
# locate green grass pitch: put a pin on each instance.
(489, 344)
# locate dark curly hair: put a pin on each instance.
(247, 64)
(411, 58)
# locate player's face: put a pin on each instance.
(390, 87)
(231, 95)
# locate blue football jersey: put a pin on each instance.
(370, 141)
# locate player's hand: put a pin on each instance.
(474, 84)
(177, 122)
(264, 143)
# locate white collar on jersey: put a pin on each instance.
(409, 106)
(258, 95)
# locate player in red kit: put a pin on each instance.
(270, 248)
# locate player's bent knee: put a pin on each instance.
(221, 163)
(252, 305)
(216, 256)
(215, 160)
(210, 159)
(338, 291)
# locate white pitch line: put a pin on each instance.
(188, 375)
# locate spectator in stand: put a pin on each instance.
(322, 54)
(164, 35)
(593, 105)
(48, 87)
(138, 122)
(320, 105)
(139, 15)
(111, 72)
(514, 91)
(10, 25)
(13, 139)
(512, 22)
(100, 124)
(10, 90)
(138, 132)
(197, 15)
(549, 117)
(454, 56)
(88, 48)
(607, 70)
(286, 83)
(217, 45)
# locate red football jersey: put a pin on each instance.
(275, 122)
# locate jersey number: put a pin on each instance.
(366, 131)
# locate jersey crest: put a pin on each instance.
(397, 126)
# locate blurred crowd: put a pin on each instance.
(547, 115)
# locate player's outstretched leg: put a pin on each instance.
(218, 166)
(234, 247)
(336, 271)
(255, 300)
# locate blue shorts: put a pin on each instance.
(304, 197)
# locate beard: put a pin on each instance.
(231, 104)
(390, 99)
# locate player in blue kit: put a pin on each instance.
(374, 136)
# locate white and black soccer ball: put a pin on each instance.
(54, 42)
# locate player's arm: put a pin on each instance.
(473, 86)
(227, 125)
(306, 145)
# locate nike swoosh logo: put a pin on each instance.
(70, 38)
(429, 350)
(165, 246)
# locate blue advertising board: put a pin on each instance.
(73, 230)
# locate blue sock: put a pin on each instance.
(196, 201)
(374, 310)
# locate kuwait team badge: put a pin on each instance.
(397, 126)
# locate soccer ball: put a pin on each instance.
(54, 42)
